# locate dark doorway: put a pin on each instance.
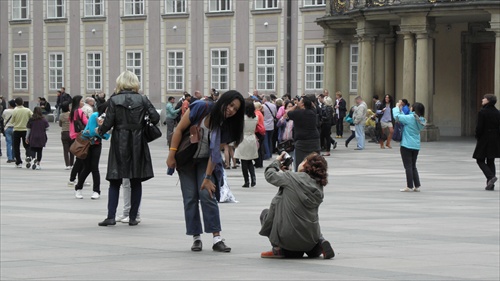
(485, 81)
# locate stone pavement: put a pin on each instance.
(449, 231)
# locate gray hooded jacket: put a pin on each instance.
(292, 222)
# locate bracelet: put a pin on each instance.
(173, 149)
(208, 177)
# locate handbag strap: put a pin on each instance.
(273, 115)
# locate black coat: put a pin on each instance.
(129, 155)
(487, 133)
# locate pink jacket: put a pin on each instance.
(83, 117)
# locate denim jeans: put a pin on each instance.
(191, 178)
(8, 142)
(268, 144)
(360, 135)
(114, 194)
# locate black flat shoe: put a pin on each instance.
(245, 185)
(253, 184)
(107, 222)
(133, 222)
(197, 246)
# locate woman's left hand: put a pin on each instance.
(209, 186)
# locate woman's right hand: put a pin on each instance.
(171, 163)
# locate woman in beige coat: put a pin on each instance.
(247, 150)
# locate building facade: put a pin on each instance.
(274, 46)
(443, 53)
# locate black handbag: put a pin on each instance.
(287, 146)
(151, 131)
(189, 142)
(78, 124)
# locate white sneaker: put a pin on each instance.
(78, 194)
(125, 219)
(406, 189)
(95, 195)
(87, 184)
(38, 167)
(120, 218)
(416, 189)
(19, 165)
(71, 183)
(67, 168)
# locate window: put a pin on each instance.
(56, 71)
(353, 65)
(94, 8)
(20, 9)
(266, 4)
(134, 7)
(94, 71)
(220, 69)
(175, 70)
(56, 8)
(134, 63)
(20, 71)
(315, 61)
(266, 69)
(219, 5)
(175, 6)
(314, 2)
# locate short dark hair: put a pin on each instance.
(492, 99)
(186, 95)
(65, 106)
(19, 101)
(171, 98)
(375, 96)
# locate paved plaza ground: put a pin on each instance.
(449, 231)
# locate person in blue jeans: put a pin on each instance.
(9, 130)
(359, 117)
(223, 121)
(410, 144)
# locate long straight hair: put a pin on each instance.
(75, 105)
(233, 125)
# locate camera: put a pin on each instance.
(286, 160)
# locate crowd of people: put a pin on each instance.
(230, 131)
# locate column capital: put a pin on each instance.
(329, 43)
(366, 37)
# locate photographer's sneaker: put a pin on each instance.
(406, 189)
(78, 194)
(416, 189)
(95, 195)
(71, 183)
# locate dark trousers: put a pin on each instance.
(409, 157)
(114, 196)
(259, 161)
(17, 138)
(76, 170)
(340, 126)
(91, 165)
(326, 130)
(349, 139)
(487, 165)
(37, 152)
(247, 166)
(69, 158)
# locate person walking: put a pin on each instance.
(20, 117)
(37, 136)
(129, 155)
(270, 113)
(223, 121)
(9, 130)
(410, 145)
(170, 118)
(488, 139)
(340, 113)
(359, 117)
(66, 140)
(248, 150)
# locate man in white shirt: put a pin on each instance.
(269, 116)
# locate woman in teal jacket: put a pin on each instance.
(410, 144)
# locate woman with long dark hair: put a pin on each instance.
(386, 120)
(488, 139)
(222, 122)
(129, 155)
(66, 140)
(76, 113)
(306, 135)
(410, 144)
(37, 136)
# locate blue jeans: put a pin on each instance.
(8, 142)
(268, 144)
(191, 178)
(360, 135)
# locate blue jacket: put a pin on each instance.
(89, 130)
(413, 125)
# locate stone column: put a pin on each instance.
(345, 70)
(422, 71)
(389, 67)
(330, 66)
(379, 67)
(409, 67)
(365, 77)
(495, 27)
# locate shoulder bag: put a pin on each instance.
(151, 131)
(80, 146)
(77, 123)
(189, 141)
